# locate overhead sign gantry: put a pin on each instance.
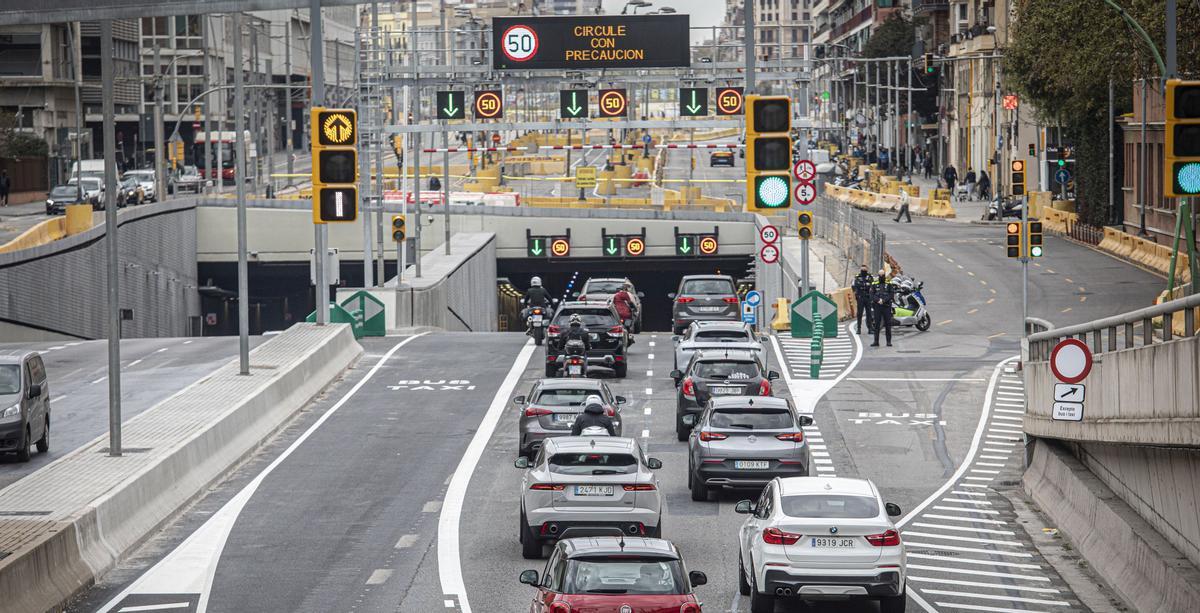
(583, 42)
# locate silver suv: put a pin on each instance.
(744, 442)
(703, 298)
(552, 405)
(24, 404)
(580, 484)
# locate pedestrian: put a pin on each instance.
(928, 166)
(951, 177)
(862, 298)
(985, 186)
(882, 294)
(969, 182)
(903, 206)
(4, 186)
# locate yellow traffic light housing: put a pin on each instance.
(1013, 243)
(768, 152)
(1035, 239)
(399, 228)
(804, 223)
(1181, 159)
(334, 164)
(1017, 177)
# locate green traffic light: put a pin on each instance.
(772, 192)
(1187, 177)
(1062, 163)
(1035, 251)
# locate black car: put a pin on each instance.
(716, 373)
(62, 195)
(609, 339)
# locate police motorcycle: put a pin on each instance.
(908, 304)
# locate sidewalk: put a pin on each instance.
(37, 207)
(968, 211)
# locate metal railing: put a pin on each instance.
(1119, 331)
(1085, 232)
(848, 228)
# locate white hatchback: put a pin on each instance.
(820, 538)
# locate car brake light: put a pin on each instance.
(537, 311)
(705, 435)
(731, 300)
(531, 412)
(689, 389)
(582, 297)
(611, 411)
(689, 607)
(639, 487)
(684, 300)
(891, 538)
(795, 437)
(559, 607)
(546, 487)
(576, 361)
(775, 536)
(617, 330)
(553, 330)
(764, 388)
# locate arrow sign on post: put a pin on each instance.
(683, 244)
(572, 103)
(693, 101)
(811, 308)
(450, 105)
(537, 246)
(611, 246)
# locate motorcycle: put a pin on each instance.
(535, 324)
(573, 361)
(999, 208)
(594, 431)
(908, 306)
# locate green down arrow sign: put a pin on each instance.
(535, 246)
(693, 101)
(612, 245)
(683, 245)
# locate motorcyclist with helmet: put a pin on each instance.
(535, 296)
(593, 415)
(576, 331)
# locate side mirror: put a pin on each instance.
(529, 577)
(621, 400)
(521, 462)
(641, 294)
(772, 375)
(805, 420)
(676, 339)
(689, 420)
(671, 295)
(893, 509)
(697, 578)
(745, 507)
(653, 463)
(519, 400)
(676, 375)
(35, 390)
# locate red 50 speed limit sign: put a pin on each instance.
(519, 43)
(769, 234)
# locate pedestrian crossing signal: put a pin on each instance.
(1013, 239)
(399, 228)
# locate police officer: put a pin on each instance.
(882, 293)
(862, 297)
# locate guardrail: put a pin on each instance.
(1120, 327)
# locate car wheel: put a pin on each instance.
(43, 444)
(681, 429)
(760, 602)
(743, 585)
(699, 489)
(893, 604)
(531, 546)
(551, 369)
(23, 450)
(620, 370)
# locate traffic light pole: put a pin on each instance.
(317, 61)
(1024, 265)
(112, 259)
(239, 118)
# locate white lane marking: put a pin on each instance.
(981, 573)
(820, 454)
(989, 552)
(449, 554)
(406, 541)
(1005, 431)
(822, 461)
(187, 342)
(990, 464)
(380, 576)
(101, 379)
(973, 485)
(998, 586)
(56, 348)
(962, 529)
(651, 343)
(1059, 603)
(965, 539)
(967, 501)
(449, 604)
(967, 493)
(929, 556)
(1007, 418)
(432, 506)
(1010, 411)
(162, 350)
(975, 607)
(806, 393)
(651, 356)
(979, 478)
(62, 397)
(646, 411)
(911, 379)
(984, 471)
(191, 567)
(649, 373)
(645, 434)
(942, 507)
(134, 363)
(649, 391)
(166, 606)
(994, 522)
(816, 447)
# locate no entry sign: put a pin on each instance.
(1071, 360)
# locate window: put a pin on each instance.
(590, 463)
(751, 419)
(21, 54)
(10, 379)
(625, 576)
(590, 317)
(37, 369)
(707, 286)
(835, 506)
(572, 397)
(726, 371)
(556, 567)
(720, 335)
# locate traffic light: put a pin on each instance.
(334, 164)
(804, 222)
(1035, 239)
(1013, 244)
(399, 228)
(1032, 150)
(927, 62)
(768, 152)
(1017, 179)
(1182, 154)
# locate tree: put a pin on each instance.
(17, 144)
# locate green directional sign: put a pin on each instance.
(450, 105)
(573, 103)
(685, 244)
(537, 246)
(368, 311)
(693, 101)
(812, 310)
(613, 246)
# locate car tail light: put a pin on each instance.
(616, 330)
(795, 437)
(582, 297)
(619, 358)
(611, 412)
(554, 330)
(705, 435)
(547, 487)
(689, 389)
(559, 607)
(576, 361)
(775, 536)
(689, 607)
(891, 538)
(531, 412)
(684, 300)
(764, 388)
(731, 300)
(639, 487)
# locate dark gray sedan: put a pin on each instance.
(716, 373)
(703, 298)
(744, 442)
(552, 405)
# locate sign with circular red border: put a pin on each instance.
(805, 193)
(769, 234)
(805, 171)
(635, 246)
(1071, 360)
(729, 100)
(488, 104)
(613, 102)
(525, 40)
(708, 245)
(559, 248)
(769, 254)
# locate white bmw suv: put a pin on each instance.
(819, 538)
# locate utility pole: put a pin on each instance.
(291, 113)
(446, 138)
(206, 22)
(77, 77)
(908, 126)
(365, 109)
(239, 119)
(159, 147)
(416, 138)
(317, 62)
(748, 43)
(112, 258)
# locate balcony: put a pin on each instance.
(923, 7)
(862, 17)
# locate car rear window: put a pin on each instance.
(591, 317)
(707, 286)
(722, 335)
(593, 463)
(625, 575)
(752, 419)
(564, 397)
(732, 371)
(10, 379)
(833, 506)
(64, 192)
(603, 287)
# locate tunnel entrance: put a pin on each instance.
(654, 277)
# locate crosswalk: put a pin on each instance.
(837, 355)
(965, 549)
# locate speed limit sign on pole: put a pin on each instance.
(769, 234)
(806, 193)
(805, 171)
(769, 254)
(519, 43)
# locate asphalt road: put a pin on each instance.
(151, 370)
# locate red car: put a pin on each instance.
(614, 574)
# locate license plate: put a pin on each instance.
(726, 391)
(713, 309)
(564, 418)
(594, 336)
(537, 319)
(574, 369)
(824, 542)
(751, 464)
(593, 490)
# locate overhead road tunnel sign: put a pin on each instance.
(584, 42)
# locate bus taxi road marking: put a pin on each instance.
(191, 567)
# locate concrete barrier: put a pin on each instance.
(102, 507)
